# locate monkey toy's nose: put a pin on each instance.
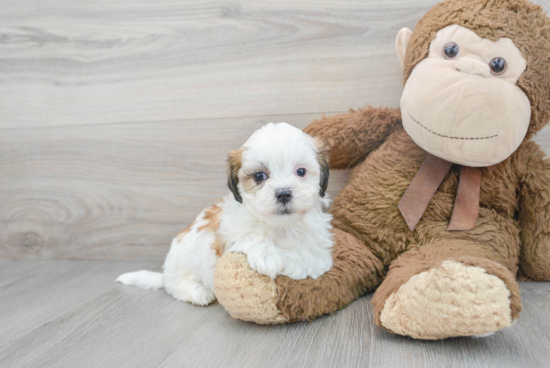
(472, 66)
(283, 196)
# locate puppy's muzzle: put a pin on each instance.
(283, 196)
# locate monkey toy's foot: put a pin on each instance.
(451, 299)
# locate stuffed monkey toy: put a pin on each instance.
(449, 198)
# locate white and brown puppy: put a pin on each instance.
(274, 213)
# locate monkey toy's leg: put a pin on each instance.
(252, 297)
(434, 291)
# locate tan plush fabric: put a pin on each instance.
(430, 257)
(452, 299)
(245, 293)
(525, 23)
(432, 105)
(375, 248)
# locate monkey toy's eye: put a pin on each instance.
(301, 172)
(497, 65)
(450, 51)
(259, 177)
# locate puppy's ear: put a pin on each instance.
(322, 157)
(234, 165)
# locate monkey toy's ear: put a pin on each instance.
(401, 42)
(234, 165)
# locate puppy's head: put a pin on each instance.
(280, 173)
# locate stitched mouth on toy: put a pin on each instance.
(447, 136)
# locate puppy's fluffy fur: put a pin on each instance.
(273, 214)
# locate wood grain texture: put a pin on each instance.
(67, 62)
(34, 292)
(116, 116)
(115, 190)
(118, 326)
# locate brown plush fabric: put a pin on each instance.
(355, 272)
(353, 136)
(534, 212)
(521, 21)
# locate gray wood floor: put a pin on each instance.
(72, 314)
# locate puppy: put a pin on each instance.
(273, 213)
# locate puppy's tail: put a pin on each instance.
(142, 279)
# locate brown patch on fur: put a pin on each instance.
(212, 215)
(185, 231)
(218, 246)
(235, 158)
(234, 165)
(250, 185)
(322, 148)
(525, 23)
(322, 158)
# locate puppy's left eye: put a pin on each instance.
(301, 172)
(259, 177)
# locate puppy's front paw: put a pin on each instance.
(295, 268)
(322, 264)
(300, 268)
(266, 260)
(295, 272)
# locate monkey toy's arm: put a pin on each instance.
(352, 136)
(534, 213)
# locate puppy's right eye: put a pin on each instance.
(259, 177)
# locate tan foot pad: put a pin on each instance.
(245, 293)
(453, 300)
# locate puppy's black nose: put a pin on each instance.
(284, 196)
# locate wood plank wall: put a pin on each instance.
(116, 116)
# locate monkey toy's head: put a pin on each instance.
(477, 79)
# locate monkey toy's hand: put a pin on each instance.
(352, 136)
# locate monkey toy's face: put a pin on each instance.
(461, 103)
